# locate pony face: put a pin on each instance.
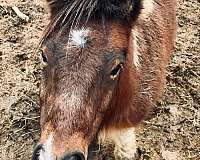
(85, 67)
(105, 68)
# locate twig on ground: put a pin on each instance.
(20, 14)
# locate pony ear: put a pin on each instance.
(56, 6)
(135, 7)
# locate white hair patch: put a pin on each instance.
(147, 9)
(78, 38)
(46, 152)
(74, 100)
(124, 140)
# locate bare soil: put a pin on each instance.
(173, 133)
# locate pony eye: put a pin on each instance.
(44, 57)
(116, 71)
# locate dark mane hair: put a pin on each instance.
(72, 13)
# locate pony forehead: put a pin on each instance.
(76, 13)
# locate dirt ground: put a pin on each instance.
(172, 134)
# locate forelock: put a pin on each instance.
(73, 13)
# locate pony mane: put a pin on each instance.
(73, 13)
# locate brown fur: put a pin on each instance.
(105, 103)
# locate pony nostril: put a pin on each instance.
(36, 153)
(75, 156)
